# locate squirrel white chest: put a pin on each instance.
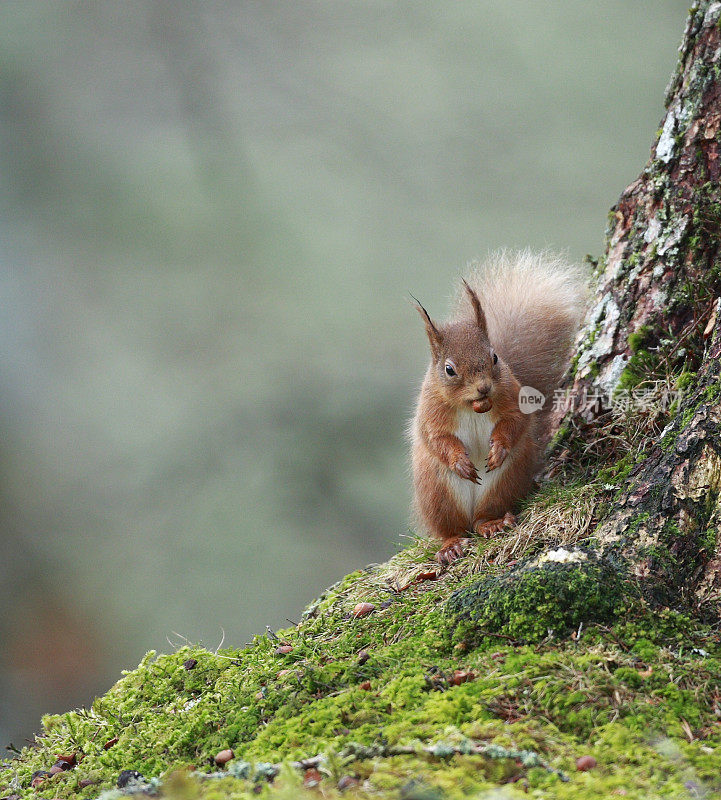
(474, 430)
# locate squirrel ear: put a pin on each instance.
(476, 303)
(434, 335)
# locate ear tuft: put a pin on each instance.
(435, 338)
(477, 309)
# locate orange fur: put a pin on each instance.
(514, 326)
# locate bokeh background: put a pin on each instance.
(212, 215)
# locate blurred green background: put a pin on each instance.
(212, 215)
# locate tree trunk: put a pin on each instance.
(644, 391)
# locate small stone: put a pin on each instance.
(128, 776)
(224, 756)
(363, 657)
(346, 782)
(584, 763)
(312, 778)
(386, 604)
(363, 609)
(56, 769)
(283, 650)
(85, 782)
(191, 663)
(366, 686)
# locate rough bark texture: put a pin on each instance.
(654, 325)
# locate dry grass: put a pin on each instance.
(557, 517)
(545, 524)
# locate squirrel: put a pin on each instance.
(476, 437)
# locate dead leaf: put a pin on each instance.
(461, 676)
(363, 609)
(708, 330)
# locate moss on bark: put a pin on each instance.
(553, 594)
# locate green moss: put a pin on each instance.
(708, 540)
(687, 416)
(712, 392)
(521, 708)
(573, 366)
(685, 381)
(646, 650)
(411, 696)
(640, 338)
(640, 368)
(559, 437)
(542, 597)
(616, 474)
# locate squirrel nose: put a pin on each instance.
(483, 389)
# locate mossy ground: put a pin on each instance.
(643, 696)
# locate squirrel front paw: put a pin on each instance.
(464, 467)
(496, 454)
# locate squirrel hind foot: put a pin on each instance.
(452, 550)
(487, 527)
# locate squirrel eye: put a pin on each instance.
(449, 370)
(495, 358)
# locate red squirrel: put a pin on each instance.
(476, 438)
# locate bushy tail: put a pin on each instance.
(534, 304)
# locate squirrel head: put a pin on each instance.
(464, 366)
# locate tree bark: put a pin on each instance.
(652, 333)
